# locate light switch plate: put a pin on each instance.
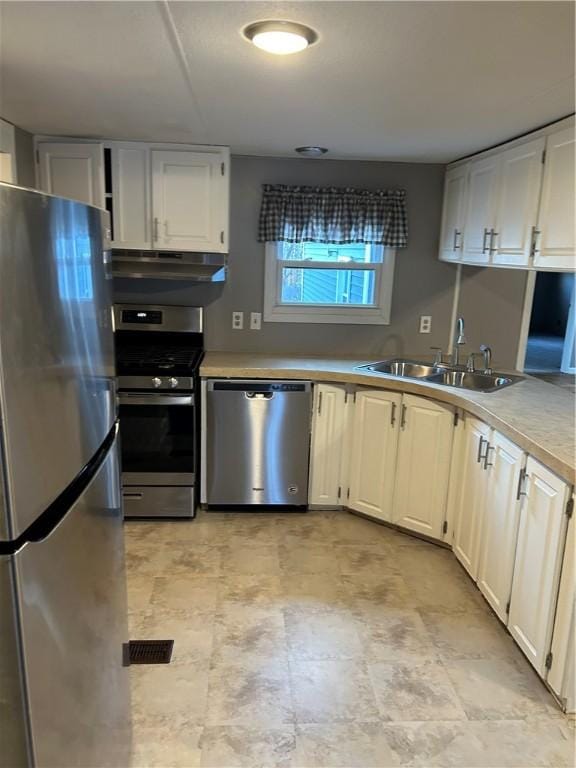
(237, 321)
(255, 321)
(425, 323)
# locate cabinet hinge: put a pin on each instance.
(569, 508)
(222, 168)
(455, 418)
(339, 492)
(543, 156)
(548, 662)
(508, 608)
(222, 236)
(445, 527)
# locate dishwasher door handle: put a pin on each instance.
(259, 395)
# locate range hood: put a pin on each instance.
(170, 265)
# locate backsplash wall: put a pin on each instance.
(422, 284)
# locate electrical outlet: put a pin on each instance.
(255, 321)
(425, 323)
(237, 320)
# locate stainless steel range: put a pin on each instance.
(158, 353)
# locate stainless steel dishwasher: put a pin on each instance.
(256, 442)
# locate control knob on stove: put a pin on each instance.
(173, 382)
(157, 382)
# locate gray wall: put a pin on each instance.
(422, 284)
(25, 158)
(491, 302)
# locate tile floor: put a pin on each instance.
(323, 639)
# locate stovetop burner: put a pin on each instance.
(147, 360)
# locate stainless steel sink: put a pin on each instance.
(479, 382)
(442, 374)
(408, 369)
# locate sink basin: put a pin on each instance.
(442, 374)
(409, 369)
(479, 382)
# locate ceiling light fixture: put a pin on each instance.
(311, 151)
(280, 37)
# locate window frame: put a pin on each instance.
(352, 314)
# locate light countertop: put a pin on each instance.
(537, 416)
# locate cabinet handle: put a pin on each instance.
(319, 403)
(533, 249)
(523, 475)
(493, 236)
(486, 233)
(486, 462)
(403, 417)
(393, 415)
(457, 246)
(479, 456)
(155, 235)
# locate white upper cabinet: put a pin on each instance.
(555, 245)
(374, 444)
(190, 200)
(423, 465)
(539, 549)
(481, 209)
(453, 213)
(517, 204)
(504, 478)
(7, 153)
(473, 488)
(328, 438)
(72, 170)
(130, 191)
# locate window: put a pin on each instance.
(328, 283)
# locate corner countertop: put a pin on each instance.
(537, 416)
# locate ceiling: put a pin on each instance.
(410, 81)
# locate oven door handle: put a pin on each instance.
(127, 398)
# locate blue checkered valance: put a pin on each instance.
(333, 215)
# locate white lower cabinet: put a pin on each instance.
(473, 483)
(539, 550)
(499, 531)
(423, 465)
(374, 446)
(328, 442)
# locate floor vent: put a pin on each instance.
(150, 651)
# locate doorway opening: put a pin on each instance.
(550, 347)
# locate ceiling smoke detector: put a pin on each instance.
(311, 151)
(280, 37)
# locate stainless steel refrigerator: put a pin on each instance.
(64, 691)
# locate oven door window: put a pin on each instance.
(157, 438)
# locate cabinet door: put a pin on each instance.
(7, 153)
(374, 442)
(537, 564)
(72, 170)
(453, 211)
(500, 522)
(189, 200)
(328, 435)
(519, 194)
(468, 523)
(423, 466)
(555, 246)
(131, 214)
(480, 209)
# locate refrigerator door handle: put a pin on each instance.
(53, 515)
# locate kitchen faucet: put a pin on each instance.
(460, 340)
